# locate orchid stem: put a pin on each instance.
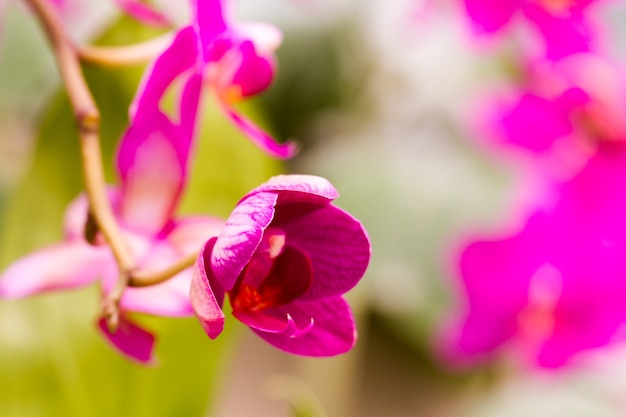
(143, 278)
(116, 56)
(88, 121)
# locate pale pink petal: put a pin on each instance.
(241, 236)
(206, 294)
(190, 233)
(331, 333)
(143, 13)
(62, 266)
(299, 188)
(169, 298)
(335, 242)
(130, 339)
(152, 161)
(75, 215)
(258, 136)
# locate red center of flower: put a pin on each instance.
(557, 7)
(277, 274)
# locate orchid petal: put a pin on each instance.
(332, 333)
(241, 236)
(563, 36)
(190, 233)
(179, 57)
(152, 161)
(61, 266)
(299, 188)
(490, 16)
(253, 73)
(209, 21)
(130, 339)
(206, 294)
(258, 136)
(536, 123)
(335, 242)
(143, 13)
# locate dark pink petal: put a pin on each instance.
(289, 278)
(563, 35)
(189, 103)
(258, 136)
(130, 339)
(490, 16)
(496, 275)
(332, 333)
(299, 188)
(178, 58)
(241, 236)
(143, 13)
(62, 266)
(335, 242)
(210, 22)
(207, 296)
(152, 161)
(254, 73)
(535, 123)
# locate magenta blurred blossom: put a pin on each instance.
(152, 163)
(564, 25)
(556, 286)
(562, 110)
(285, 257)
(235, 60)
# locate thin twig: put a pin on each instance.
(88, 120)
(145, 278)
(116, 56)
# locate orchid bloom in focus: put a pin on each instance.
(285, 257)
(235, 60)
(563, 24)
(152, 164)
(557, 287)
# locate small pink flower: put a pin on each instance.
(556, 287)
(285, 258)
(152, 163)
(235, 60)
(563, 24)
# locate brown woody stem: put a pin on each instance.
(88, 121)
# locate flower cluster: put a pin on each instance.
(285, 256)
(550, 285)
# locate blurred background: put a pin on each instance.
(379, 95)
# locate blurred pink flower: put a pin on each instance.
(235, 60)
(285, 258)
(557, 287)
(562, 111)
(563, 24)
(152, 163)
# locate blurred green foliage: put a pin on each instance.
(52, 361)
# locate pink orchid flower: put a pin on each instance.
(563, 111)
(235, 60)
(285, 257)
(152, 163)
(556, 287)
(563, 24)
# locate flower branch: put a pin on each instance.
(115, 56)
